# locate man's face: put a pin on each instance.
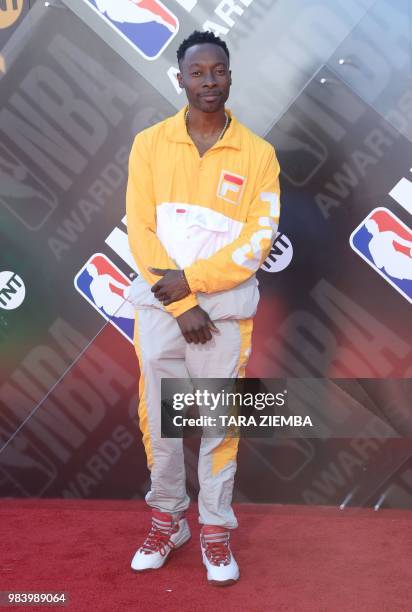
(205, 76)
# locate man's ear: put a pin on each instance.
(230, 77)
(180, 80)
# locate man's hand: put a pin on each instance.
(171, 288)
(196, 325)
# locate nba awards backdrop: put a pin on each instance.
(329, 85)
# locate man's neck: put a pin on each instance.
(205, 125)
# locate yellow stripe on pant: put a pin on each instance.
(142, 409)
(227, 449)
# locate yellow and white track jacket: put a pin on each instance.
(214, 216)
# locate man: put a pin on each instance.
(202, 212)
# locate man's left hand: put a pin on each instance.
(171, 287)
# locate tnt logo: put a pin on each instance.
(10, 11)
(231, 187)
(385, 243)
(12, 290)
(146, 24)
(104, 287)
(280, 254)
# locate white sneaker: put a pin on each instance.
(165, 535)
(218, 559)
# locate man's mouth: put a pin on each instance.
(210, 97)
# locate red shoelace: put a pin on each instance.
(157, 540)
(217, 548)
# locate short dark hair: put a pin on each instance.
(199, 38)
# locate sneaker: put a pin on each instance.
(165, 535)
(218, 559)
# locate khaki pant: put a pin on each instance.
(163, 353)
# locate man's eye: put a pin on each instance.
(221, 71)
(196, 73)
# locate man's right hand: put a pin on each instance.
(196, 325)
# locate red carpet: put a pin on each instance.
(292, 558)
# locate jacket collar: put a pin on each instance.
(177, 132)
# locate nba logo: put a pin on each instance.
(231, 187)
(145, 24)
(105, 287)
(385, 243)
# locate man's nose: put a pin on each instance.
(210, 80)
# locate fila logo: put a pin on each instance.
(231, 187)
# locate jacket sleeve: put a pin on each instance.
(145, 246)
(239, 260)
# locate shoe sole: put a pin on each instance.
(227, 582)
(223, 583)
(153, 569)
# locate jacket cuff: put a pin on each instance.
(194, 284)
(181, 306)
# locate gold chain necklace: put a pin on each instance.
(221, 133)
